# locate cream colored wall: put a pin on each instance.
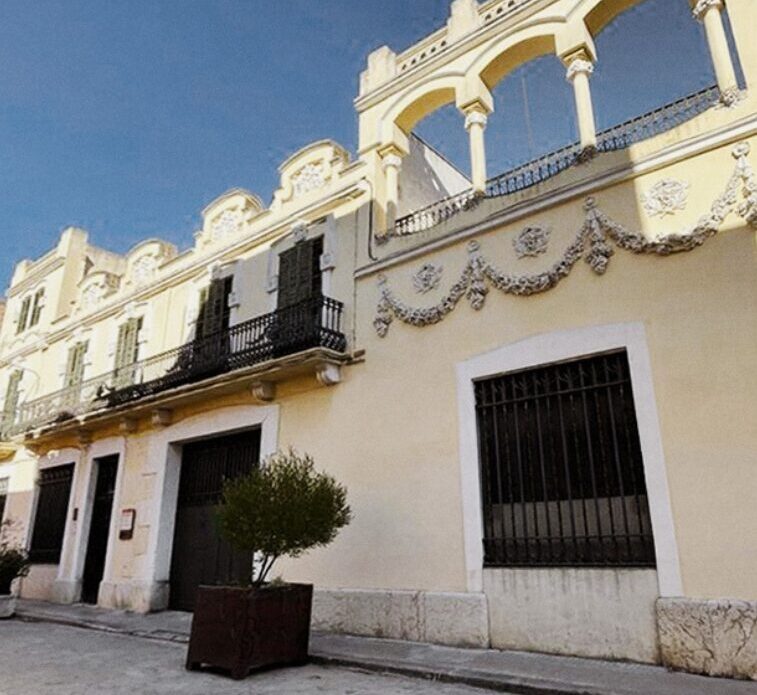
(390, 430)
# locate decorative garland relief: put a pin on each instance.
(592, 243)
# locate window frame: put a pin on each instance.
(561, 467)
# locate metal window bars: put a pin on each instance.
(562, 473)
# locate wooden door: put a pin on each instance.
(200, 556)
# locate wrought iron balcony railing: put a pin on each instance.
(531, 173)
(309, 324)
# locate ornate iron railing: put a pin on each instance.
(543, 168)
(533, 172)
(433, 214)
(313, 323)
(660, 120)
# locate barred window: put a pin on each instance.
(561, 467)
(52, 510)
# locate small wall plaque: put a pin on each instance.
(126, 525)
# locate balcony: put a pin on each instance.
(313, 326)
(531, 173)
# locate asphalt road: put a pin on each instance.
(42, 659)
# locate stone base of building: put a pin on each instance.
(454, 619)
(595, 613)
(66, 591)
(137, 596)
(715, 637)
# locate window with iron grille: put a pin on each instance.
(561, 467)
(52, 511)
(3, 496)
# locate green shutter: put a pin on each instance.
(37, 307)
(10, 405)
(126, 352)
(23, 317)
(300, 273)
(75, 365)
(213, 316)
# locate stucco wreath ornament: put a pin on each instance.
(595, 242)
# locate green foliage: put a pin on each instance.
(14, 561)
(283, 508)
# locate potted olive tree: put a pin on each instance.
(14, 563)
(282, 509)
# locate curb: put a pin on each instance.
(513, 685)
(158, 636)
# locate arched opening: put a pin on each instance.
(649, 55)
(534, 114)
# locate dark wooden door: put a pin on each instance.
(99, 529)
(200, 555)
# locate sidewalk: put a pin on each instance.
(519, 673)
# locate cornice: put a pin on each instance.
(37, 274)
(197, 266)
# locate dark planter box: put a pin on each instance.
(239, 629)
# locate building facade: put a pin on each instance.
(537, 387)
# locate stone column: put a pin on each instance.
(475, 123)
(709, 13)
(579, 67)
(391, 161)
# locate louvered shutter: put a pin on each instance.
(75, 364)
(37, 307)
(300, 273)
(24, 315)
(10, 404)
(126, 351)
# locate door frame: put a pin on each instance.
(70, 575)
(555, 347)
(164, 453)
(112, 526)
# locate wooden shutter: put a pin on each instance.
(11, 397)
(75, 365)
(300, 272)
(214, 311)
(126, 347)
(37, 307)
(24, 315)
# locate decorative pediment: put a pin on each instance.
(144, 260)
(311, 169)
(95, 288)
(226, 217)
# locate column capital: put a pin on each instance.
(704, 6)
(391, 160)
(475, 118)
(578, 64)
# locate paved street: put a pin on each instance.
(42, 659)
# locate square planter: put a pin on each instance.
(239, 629)
(7, 606)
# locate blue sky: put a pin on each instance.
(126, 118)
